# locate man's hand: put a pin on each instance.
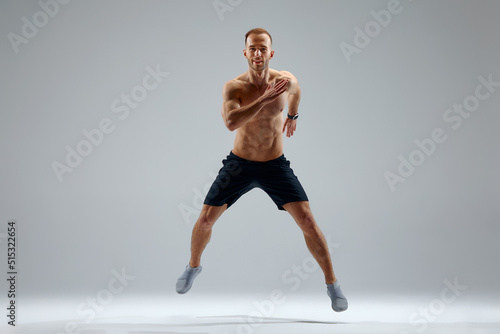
(273, 91)
(290, 126)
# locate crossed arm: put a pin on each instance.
(235, 115)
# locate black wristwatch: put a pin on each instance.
(294, 117)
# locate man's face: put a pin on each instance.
(258, 51)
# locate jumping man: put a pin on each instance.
(253, 104)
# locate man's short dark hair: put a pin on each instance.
(258, 31)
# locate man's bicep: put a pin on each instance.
(230, 99)
(231, 105)
(293, 84)
(294, 93)
(294, 87)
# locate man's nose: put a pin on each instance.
(258, 53)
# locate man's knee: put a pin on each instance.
(205, 222)
(209, 216)
(307, 222)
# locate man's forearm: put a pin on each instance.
(238, 117)
(293, 104)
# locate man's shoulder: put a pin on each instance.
(233, 87)
(237, 83)
(293, 84)
(283, 73)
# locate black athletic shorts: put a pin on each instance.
(238, 176)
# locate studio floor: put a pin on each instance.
(256, 314)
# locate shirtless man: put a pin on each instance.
(253, 104)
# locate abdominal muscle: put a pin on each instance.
(260, 139)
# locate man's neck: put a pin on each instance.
(258, 78)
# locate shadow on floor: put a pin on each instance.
(173, 325)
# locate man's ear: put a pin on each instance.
(272, 54)
(245, 52)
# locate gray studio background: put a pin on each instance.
(122, 206)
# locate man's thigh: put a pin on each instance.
(283, 188)
(229, 185)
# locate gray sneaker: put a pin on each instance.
(186, 280)
(339, 301)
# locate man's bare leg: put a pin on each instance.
(202, 231)
(200, 237)
(315, 240)
(317, 245)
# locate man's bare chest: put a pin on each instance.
(270, 109)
